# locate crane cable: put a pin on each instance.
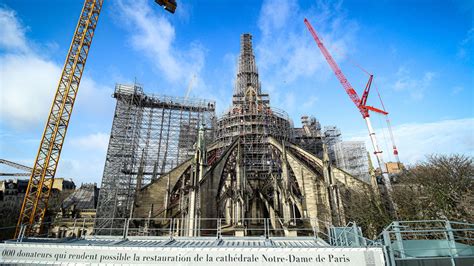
(350, 59)
(354, 63)
(384, 137)
(190, 86)
(357, 65)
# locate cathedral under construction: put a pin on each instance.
(171, 160)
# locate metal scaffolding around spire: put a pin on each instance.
(251, 117)
(247, 74)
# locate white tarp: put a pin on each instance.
(62, 254)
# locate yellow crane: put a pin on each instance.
(37, 194)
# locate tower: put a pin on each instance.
(250, 117)
(247, 75)
(253, 121)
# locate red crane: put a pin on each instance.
(361, 103)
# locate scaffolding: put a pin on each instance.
(351, 156)
(332, 136)
(251, 116)
(151, 134)
(309, 136)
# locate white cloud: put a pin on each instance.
(84, 157)
(287, 52)
(92, 142)
(311, 100)
(416, 140)
(94, 99)
(456, 90)
(275, 14)
(29, 80)
(290, 100)
(153, 34)
(81, 171)
(26, 89)
(465, 49)
(415, 86)
(12, 33)
(285, 35)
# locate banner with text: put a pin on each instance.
(49, 253)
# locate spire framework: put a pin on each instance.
(247, 74)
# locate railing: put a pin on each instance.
(137, 89)
(446, 241)
(430, 240)
(350, 235)
(271, 111)
(203, 227)
(8, 232)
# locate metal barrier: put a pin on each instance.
(321, 231)
(208, 227)
(23, 229)
(429, 240)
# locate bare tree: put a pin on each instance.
(368, 212)
(439, 188)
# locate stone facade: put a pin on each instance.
(252, 173)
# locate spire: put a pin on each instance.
(247, 74)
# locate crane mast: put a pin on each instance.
(37, 194)
(40, 184)
(360, 104)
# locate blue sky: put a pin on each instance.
(421, 53)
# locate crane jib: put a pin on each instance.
(364, 110)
